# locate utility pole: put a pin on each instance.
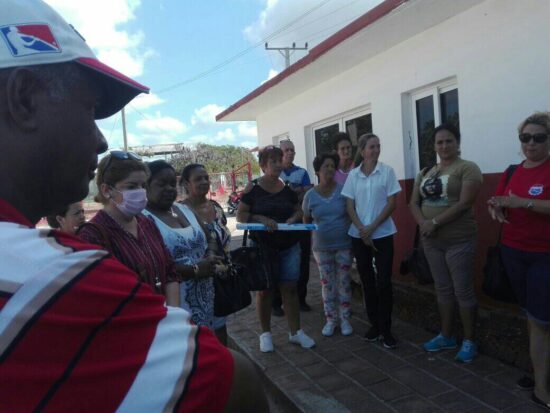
(285, 51)
(124, 130)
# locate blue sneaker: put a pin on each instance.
(440, 342)
(467, 352)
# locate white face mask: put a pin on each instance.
(133, 201)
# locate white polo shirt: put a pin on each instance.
(370, 194)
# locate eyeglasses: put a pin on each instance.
(121, 156)
(537, 137)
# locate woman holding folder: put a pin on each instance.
(268, 200)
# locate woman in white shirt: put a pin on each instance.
(372, 190)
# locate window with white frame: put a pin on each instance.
(431, 107)
(282, 137)
(355, 124)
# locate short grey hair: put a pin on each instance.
(58, 79)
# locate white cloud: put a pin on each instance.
(199, 139)
(313, 28)
(99, 23)
(162, 126)
(145, 101)
(207, 114)
(249, 144)
(247, 129)
(272, 73)
(225, 136)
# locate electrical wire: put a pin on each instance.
(241, 53)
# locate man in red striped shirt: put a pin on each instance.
(78, 331)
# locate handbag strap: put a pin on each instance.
(509, 172)
(245, 237)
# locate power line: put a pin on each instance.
(113, 127)
(322, 17)
(243, 52)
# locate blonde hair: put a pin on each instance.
(537, 118)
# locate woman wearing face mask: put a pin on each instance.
(123, 230)
(69, 219)
(187, 242)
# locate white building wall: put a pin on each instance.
(499, 54)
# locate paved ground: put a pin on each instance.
(348, 374)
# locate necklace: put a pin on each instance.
(146, 255)
(174, 215)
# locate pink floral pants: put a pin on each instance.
(334, 269)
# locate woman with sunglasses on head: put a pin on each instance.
(522, 205)
(123, 230)
(442, 205)
(187, 242)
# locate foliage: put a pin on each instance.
(216, 159)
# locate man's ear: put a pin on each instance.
(23, 90)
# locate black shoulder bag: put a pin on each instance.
(496, 283)
(416, 262)
(251, 263)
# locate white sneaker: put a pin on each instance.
(302, 339)
(346, 328)
(266, 344)
(328, 329)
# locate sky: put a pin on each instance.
(198, 57)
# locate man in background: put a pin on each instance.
(299, 181)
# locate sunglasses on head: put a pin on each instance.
(537, 137)
(121, 156)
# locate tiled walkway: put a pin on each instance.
(348, 374)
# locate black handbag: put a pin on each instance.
(230, 287)
(496, 283)
(250, 262)
(230, 292)
(416, 262)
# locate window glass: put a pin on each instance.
(324, 138)
(358, 126)
(449, 107)
(425, 121)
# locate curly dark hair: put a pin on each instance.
(449, 127)
(319, 160)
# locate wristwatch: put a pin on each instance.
(435, 222)
(530, 205)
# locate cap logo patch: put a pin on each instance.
(536, 190)
(27, 39)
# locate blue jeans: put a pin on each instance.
(289, 260)
(529, 274)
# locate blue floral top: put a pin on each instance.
(188, 246)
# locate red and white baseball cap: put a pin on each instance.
(32, 33)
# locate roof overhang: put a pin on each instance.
(381, 28)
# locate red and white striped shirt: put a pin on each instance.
(79, 333)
